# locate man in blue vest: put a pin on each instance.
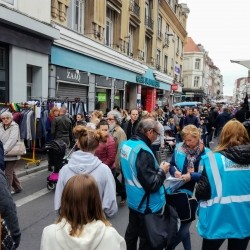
(142, 174)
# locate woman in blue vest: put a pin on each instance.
(224, 191)
(185, 164)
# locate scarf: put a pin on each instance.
(192, 154)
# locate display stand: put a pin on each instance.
(33, 160)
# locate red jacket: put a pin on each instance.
(106, 152)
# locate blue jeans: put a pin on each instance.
(183, 236)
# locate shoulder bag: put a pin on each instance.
(185, 206)
(7, 242)
(161, 228)
(18, 149)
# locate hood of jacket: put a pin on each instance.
(83, 162)
(238, 154)
(91, 236)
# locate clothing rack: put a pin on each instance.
(32, 160)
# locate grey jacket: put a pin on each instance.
(9, 138)
(61, 128)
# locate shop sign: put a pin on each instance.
(147, 81)
(71, 75)
(101, 97)
(174, 86)
(74, 76)
(177, 69)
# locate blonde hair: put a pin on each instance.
(88, 138)
(144, 114)
(154, 115)
(160, 110)
(191, 130)
(233, 134)
(98, 114)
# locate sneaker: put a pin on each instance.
(16, 191)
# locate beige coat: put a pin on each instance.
(9, 137)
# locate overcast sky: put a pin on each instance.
(222, 27)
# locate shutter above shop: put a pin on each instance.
(72, 91)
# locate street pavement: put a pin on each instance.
(35, 207)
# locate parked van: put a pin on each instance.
(187, 104)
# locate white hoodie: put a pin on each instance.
(86, 163)
(95, 236)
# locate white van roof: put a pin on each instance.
(187, 104)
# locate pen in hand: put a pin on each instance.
(177, 173)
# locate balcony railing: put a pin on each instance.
(135, 8)
(149, 22)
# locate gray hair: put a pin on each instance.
(117, 116)
(145, 125)
(7, 114)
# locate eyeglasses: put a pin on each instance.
(5, 118)
(156, 132)
(110, 119)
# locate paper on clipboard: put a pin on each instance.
(171, 178)
(175, 183)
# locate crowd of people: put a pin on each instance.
(116, 156)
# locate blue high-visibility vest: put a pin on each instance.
(226, 214)
(128, 155)
(180, 157)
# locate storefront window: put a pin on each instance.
(102, 100)
(118, 98)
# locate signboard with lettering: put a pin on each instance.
(101, 97)
(177, 69)
(174, 86)
(72, 75)
(147, 81)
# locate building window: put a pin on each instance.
(178, 46)
(165, 64)
(158, 59)
(29, 82)
(131, 40)
(159, 26)
(196, 81)
(76, 15)
(197, 63)
(110, 27)
(147, 50)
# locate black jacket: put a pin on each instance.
(8, 210)
(238, 154)
(130, 128)
(2, 164)
(150, 178)
(242, 115)
(222, 119)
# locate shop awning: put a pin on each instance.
(245, 63)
